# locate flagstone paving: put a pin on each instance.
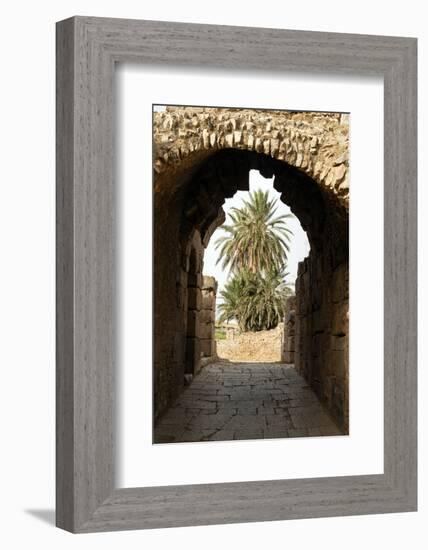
(245, 401)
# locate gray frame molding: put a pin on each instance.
(87, 49)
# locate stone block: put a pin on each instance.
(339, 326)
(182, 277)
(207, 316)
(340, 283)
(179, 347)
(181, 295)
(208, 299)
(194, 298)
(218, 200)
(319, 322)
(317, 343)
(316, 367)
(206, 347)
(302, 267)
(288, 357)
(337, 363)
(290, 317)
(209, 283)
(338, 343)
(290, 303)
(193, 355)
(193, 323)
(194, 280)
(185, 262)
(206, 330)
(300, 299)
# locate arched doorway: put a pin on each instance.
(205, 156)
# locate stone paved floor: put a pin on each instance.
(245, 401)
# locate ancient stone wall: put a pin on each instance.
(289, 339)
(194, 279)
(207, 322)
(262, 346)
(184, 321)
(322, 334)
(231, 329)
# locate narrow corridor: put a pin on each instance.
(245, 401)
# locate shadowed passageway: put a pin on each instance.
(245, 401)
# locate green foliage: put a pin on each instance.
(220, 334)
(256, 240)
(255, 300)
(255, 248)
(232, 294)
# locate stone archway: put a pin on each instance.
(202, 157)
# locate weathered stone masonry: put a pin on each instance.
(207, 322)
(321, 333)
(203, 156)
(289, 334)
(263, 346)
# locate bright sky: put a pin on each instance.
(299, 245)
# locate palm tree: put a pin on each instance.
(255, 300)
(264, 300)
(232, 305)
(256, 239)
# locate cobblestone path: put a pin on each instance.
(245, 401)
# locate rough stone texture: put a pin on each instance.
(322, 333)
(245, 401)
(207, 321)
(289, 332)
(262, 346)
(316, 143)
(201, 157)
(191, 281)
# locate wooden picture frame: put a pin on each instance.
(87, 50)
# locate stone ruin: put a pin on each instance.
(203, 156)
(289, 331)
(262, 346)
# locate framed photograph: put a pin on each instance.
(236, 274)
